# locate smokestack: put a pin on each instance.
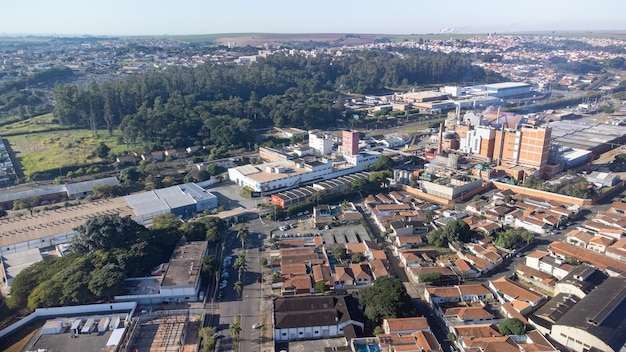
(440, 141)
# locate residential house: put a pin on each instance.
(617, 250)
(533, 225)
(405, 326)
(599, 244)
(578, 238)
(380, 268)
(546, 263)
(316, 317)
(522, 299)
(466, 315)
(465, 270)
(361, 273)
(458, 293)
(343, 277)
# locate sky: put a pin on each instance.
(178, 17)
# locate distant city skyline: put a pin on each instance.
(159, 17)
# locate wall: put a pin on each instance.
(542, 194)
(73, 310)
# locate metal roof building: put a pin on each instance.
(182, 200)
(83, 189)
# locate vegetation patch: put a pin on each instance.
(44, 151)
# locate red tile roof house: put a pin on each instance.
(599, 244)
(617, 250)
(459, 293)
(522, 299)
(467, 315)
(465, 270)
(405, 326)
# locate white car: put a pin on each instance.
(256, 325)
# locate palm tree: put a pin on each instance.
(238, 287)
(235, 329)
(240, 263)
(242, 234)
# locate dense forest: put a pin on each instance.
(223, 104)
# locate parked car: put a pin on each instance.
(256, 325)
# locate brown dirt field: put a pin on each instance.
(278, 39)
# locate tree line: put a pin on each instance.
(221, 104)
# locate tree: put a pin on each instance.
(512, 326)
(235, 328)
(26, 203)
(102, 150)
(167, 221)
(339, 252)
(451, 336)
(321, 286)
(107, 232)
(242, 234)
(357, 257)
(386, 298)
(107, 281)
(194, 231)
(214, 169)
(209, 266)
(240, 263)
(129, 175)
(263, 261)
(238, 287)
(383, 163)
(208, 342)
(430, 277)
(378, 330)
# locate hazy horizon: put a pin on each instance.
(404, 17)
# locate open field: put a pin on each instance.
(34, 124)
(39, 147)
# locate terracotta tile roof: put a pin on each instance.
(535, 274)
(492, 344)
(355, 248)
(299, 283)
(361, 271)
(396, 325)
(466, 313)
(321, 273)
(343, 274)
(390, 207)
(598, 260)
(474, 289)
(462, 265)
(516, 291)
(380, 268)
(601, 240)
(379, 254)
(476, 330)
(290, 270)
(402, 240)
(619, 205)
(491, 256)
(580, 235)
(443, 292)
(479, 263)
(537, 254)
(425, 341)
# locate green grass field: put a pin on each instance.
(40, 149)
